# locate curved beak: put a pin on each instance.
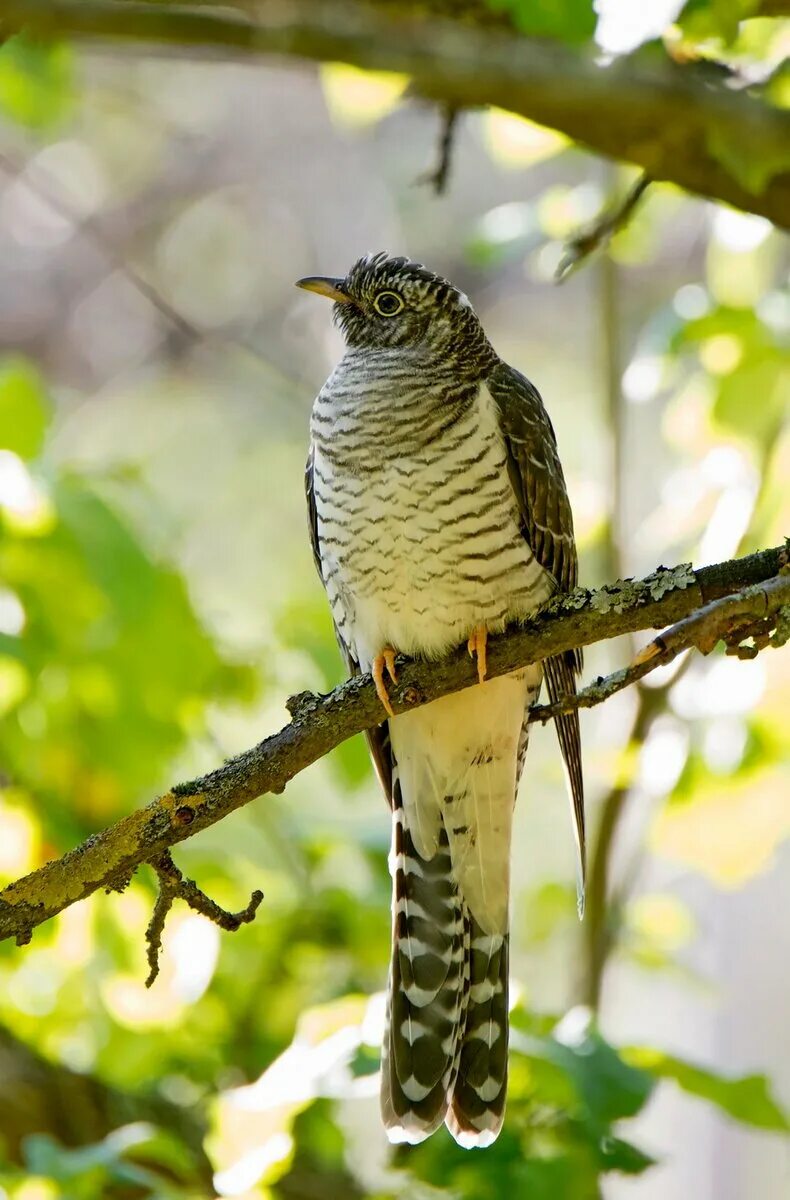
(323, 285)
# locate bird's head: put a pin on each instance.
(386, 302)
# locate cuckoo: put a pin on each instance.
(439, 514)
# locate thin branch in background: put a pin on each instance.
(598, 235)
(614, 535)
(437, 177)
(173, 886)
(45, 189)
(320, 723)
(84, 227)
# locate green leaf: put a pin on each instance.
(36, 81)
(24, 408)
(753, 395)
(704, 19)
(619, 1155)
(747, 1099)
(569, 21)
(753, 399)
(119, 665)
(366, 1061)
(610, 1088)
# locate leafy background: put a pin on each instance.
(158, 603)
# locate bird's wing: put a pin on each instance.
(378, 739)
(547, 522)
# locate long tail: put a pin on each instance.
(445, 1048)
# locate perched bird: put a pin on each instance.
(438, 514)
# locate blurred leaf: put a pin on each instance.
(609, 1088)
(502, 235)
(749, 364)
(319, 1166)
(767, 381)
(703, 19)
(36, 80)
(747, 1099)
(622, 1156)
(117, 669)
(546, 909)
(356, 97)
(517, 142)
(366, 1061)
(777, 88)
(567, 20)
(656, 927)
(24, 408)
(88, 1171)
(728, 828)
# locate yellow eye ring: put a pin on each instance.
(388, 304)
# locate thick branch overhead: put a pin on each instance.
(668, 118)
(757, 592)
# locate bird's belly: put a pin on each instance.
(417, 554)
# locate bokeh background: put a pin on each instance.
(158, 603)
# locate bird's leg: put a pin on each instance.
(382, 662)
(477, 646)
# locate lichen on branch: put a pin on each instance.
(742, 598)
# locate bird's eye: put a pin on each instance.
(388, 303)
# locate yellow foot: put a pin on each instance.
(477, 646)
(382, 662)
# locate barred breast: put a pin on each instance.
(420, 542)
(417, 522)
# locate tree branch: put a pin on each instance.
(439, 175)
(173, 886)
(734, 620)
(319, 723)
(668, 118)
(598, 235)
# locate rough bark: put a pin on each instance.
(319, 723)
(678, 122)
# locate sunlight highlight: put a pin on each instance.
(357, 98)
(516, 142)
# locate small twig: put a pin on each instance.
(600, 233)
(578, 619)
(172, 886)
(732, 620)
(438, 176)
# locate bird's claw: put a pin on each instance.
(381, 663)
(476, 645)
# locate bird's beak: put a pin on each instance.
(322, 285)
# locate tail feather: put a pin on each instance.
(426, 990)
(477, 1106)
(445, 1049)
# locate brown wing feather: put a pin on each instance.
(378, 739)
(539, 484)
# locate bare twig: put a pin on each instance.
(319, 723)
(658, 115)
(437, 177)
(598, 235)
(173, 886)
